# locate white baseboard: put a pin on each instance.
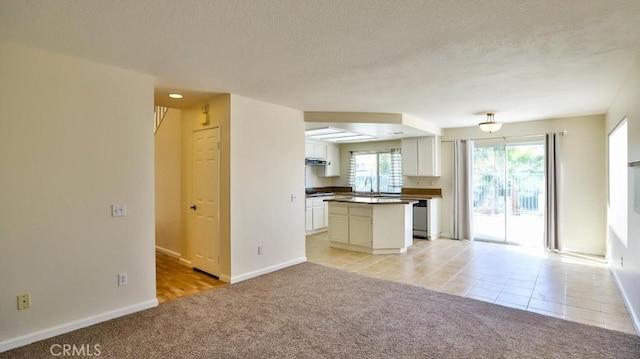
(240, 278)
(168, 252)
(445, 235)
(315, 231)
(583, 251)
(186, 262)
(627, 302)
(75, 325)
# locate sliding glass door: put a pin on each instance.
(508, 193)
(489, 163)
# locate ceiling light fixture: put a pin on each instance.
(335, 135)
(175, 95)
(321, 131)
(490, 125)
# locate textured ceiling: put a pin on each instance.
(447, 62)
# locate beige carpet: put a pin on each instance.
(312, 311)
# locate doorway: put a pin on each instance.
(175, 276)
(205, 219)
(508, 193)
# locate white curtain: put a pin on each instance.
(462, 189)
(352, 170)
(395, 170)
(551, 174)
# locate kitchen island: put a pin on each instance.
(374, 225)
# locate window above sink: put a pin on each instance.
(376, 173)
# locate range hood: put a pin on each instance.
(316, 162)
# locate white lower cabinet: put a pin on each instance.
(360, 226)
(317, 214)
(326, 214)
(374, 229)
(339, 228)
(309, 219)
(318, 217)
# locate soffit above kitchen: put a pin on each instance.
(449, 62)
(373, 126)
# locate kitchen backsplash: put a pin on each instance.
(313, 180)
(422, 182)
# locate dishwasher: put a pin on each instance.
(420, 220)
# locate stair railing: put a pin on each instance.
(159, 113)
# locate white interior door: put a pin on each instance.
(206, 195)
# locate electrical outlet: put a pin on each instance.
(294, 198)
(24, 301)
(122, 279)
(260, 250)
(118, 210)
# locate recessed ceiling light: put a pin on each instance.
(175, 95)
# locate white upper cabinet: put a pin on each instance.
(315, 150)
(333, 157)
(421, 156)
(410, 157)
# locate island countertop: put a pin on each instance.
(370, 224)
(371, 200)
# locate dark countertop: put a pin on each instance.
(408, 194)
(371, 200)
(418, 197)
(404, 196)
(320, 194)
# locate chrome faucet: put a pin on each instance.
(370, 184)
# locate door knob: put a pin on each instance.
(194, 207)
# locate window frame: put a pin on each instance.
(377, 166)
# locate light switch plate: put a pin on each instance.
(122, 279)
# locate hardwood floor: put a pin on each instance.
(174, 280)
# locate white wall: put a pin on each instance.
(168, 152)
(627, 103)
(582, 190)
(266, 168)
(75, 137)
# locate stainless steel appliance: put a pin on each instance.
(421, 220)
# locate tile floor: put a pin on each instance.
(572, 287)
